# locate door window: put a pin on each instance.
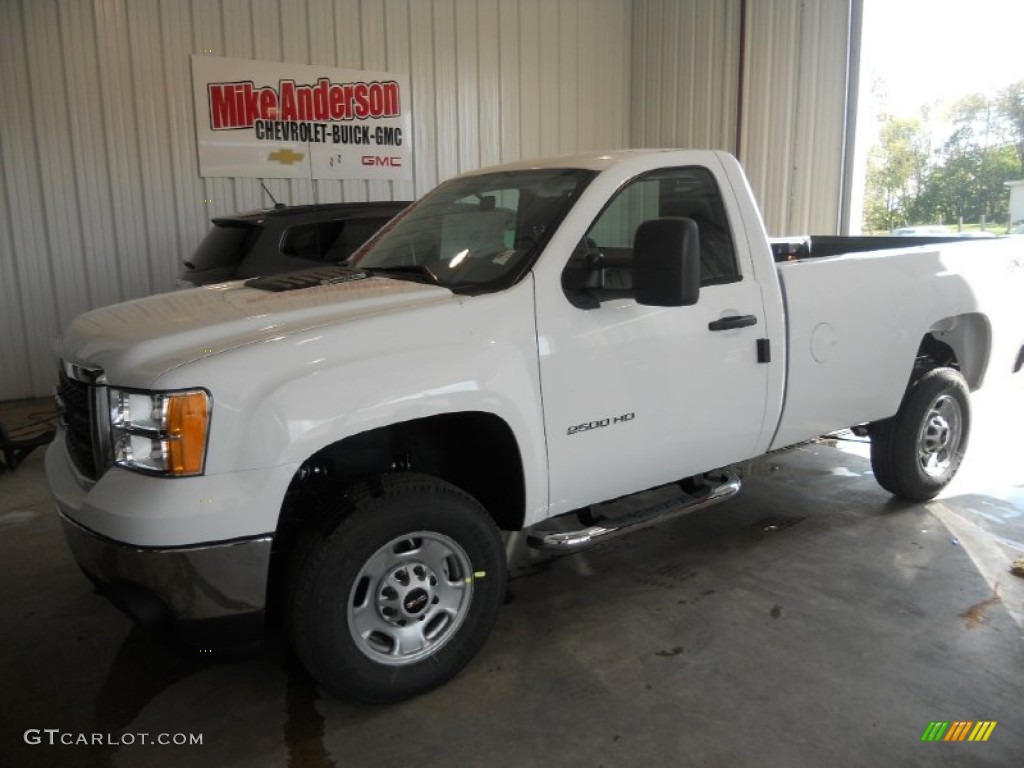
(607, 248)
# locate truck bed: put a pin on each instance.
(823, 246)
(855, 322)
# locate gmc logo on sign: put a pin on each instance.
(383, 162)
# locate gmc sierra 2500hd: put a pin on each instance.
(522, 343)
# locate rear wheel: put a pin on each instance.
(399, 596)
(916, 453)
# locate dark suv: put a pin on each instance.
(283, 239)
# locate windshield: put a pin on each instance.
(476, 233)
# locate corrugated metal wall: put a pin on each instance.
(101, 196)
(686, 61)
(794, 106)
(686, 57)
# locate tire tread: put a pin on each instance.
(894, 440)
(355, 511)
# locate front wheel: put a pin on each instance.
(916, 453)
(402, 593)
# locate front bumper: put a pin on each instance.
(211, 595)
(190, 556)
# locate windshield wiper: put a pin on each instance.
(410, 270)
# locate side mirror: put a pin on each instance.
(666, 263)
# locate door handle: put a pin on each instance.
(732, 321)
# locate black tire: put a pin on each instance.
(916, 453)
(414, 561)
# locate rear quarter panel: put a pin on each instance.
(855, 324)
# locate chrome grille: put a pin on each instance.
(74, 404)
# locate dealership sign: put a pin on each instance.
(290, 121)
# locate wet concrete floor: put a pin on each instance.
(812, 620)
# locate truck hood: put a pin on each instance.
(137, 341)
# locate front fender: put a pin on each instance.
(280, 401)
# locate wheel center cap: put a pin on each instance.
(415, 601)
(941, 432)
(406, 593)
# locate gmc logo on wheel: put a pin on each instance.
(381, 161)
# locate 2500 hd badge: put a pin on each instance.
(600, 423)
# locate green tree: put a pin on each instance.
(1010, 107)
(966, 181)
(963, 180)
(896, 171)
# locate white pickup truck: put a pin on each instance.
(346, 444)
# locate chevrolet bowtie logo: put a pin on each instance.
(285, 156)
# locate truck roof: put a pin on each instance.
(593, 161)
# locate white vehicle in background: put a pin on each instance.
(937, 231)
(522, 344)
(924, 231)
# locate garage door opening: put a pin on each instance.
(940, 126)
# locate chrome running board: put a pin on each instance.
(718, 486)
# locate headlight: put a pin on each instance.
(160, 432)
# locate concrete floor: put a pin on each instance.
(811, 621)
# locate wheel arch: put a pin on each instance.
(963, 341)
(476, 451)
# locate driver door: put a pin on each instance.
(636, 396)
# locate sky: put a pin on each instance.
(929, 50)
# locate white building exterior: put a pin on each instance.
(1016, 202)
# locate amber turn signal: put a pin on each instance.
(187, 418)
